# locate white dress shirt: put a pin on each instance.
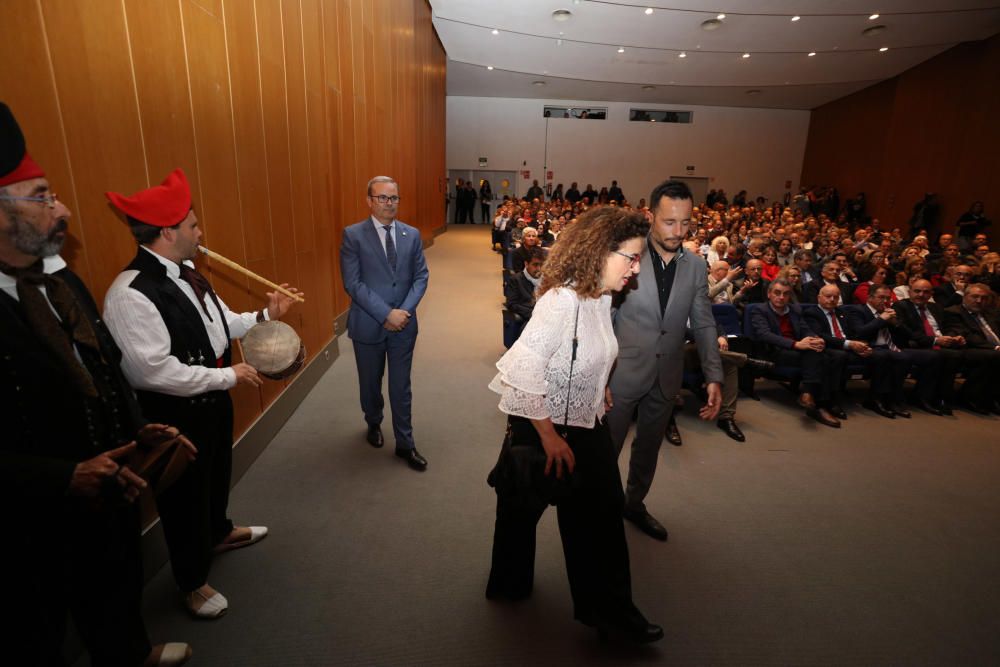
(380, 230)
(49, 265)
(140, 332)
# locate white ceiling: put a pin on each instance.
(588, 66)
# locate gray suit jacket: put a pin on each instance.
(650, 347)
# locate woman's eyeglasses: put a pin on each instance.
(633, 260)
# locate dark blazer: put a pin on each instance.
(765, 327)
(909, 319)
(863, 325)
(756, 294)
(374, 288)
(960, 322)
(946, 296)
(521, 296)
(810, 292)
(818, 322)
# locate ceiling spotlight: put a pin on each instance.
(710, 24)
(489, 67)
(873, 17)
(562, 15)
(874, 30)
(682, 54)
(649, 87)
(721, 16)
(812, 53)
(495, 31)
(884, 49)
(746, 55)
(649, 10)
(538, 83)
(796, 18)
(621, 49)
(754, 91)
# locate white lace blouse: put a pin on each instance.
(534, 374)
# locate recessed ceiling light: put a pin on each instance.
(649, 10)
(495, 31)
(649, 87)
(746, 55)
(621, 49)
(812, 53)
(874, 30)
(884, 49)
(652, 120)
(873, 17)
(682, 54)
(538, 83)
(796, 17)
(754, 91)
(489, 67)
(721, 16)
(711, 24)
(562, 15)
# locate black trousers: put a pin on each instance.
(86, 564)
(982, 376)
(822, 372)
(194, 510)
(592, 532)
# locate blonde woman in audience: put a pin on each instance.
(718, 249)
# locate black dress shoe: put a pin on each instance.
(673, 435)
(823, 417)
(760, 366)
(374, 436)
(644, 521)
(636, 631)
(879, 409)
(900, 411)
(945, 409)
(730, 428)
(927, 407)
(837, 412)
(412, 458)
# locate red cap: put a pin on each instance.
(164, 205)
(24, 171)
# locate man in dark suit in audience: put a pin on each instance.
(791, 342)
(956, 278)
(829, 275)
(753, 289)
(573, 194)
(924, 321)
(981, 331)
(521, 288)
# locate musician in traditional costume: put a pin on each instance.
(175, 333)
(71, 538)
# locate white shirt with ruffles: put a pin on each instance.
(534, 377)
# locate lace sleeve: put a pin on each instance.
(521, 381)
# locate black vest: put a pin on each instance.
(189, 340)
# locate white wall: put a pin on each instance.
(755, 150)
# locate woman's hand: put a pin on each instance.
(558, 453)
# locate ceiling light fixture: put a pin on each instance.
(495, 31)
(721, 16)
(746, 55)
(562, 15)
(538, 83)
(649, 87)
(812, 53)
(649, 10)
(682, 54)
(884, 49)
(621, 49)
(489, 67)
(873, 17)
(796, 18)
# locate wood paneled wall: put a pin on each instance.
(279, 111)
(931, 129)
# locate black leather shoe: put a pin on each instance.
(926, 407)
(945, 409)
(760, 366)
(374, 436)
(900, 411)
(837, 411)
(978, 408)
(823, 417)
(639, 631)
(730, 428)
(673, 435)
(412, 458)
(879, 409)
(645, 522)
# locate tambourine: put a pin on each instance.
(274, 349)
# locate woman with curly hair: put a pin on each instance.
(570, 330)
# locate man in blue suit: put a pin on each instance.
(382, 263)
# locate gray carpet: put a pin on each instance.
(878, 544)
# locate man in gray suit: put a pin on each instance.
(671, 290)
(382, 263)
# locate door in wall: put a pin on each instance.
(699, 187)
(501, 183)
(453, 176)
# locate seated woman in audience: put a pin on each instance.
(871, 276)
(564, 417)
(521, 256)
(769, 257)
(785, 252)
(718, 249)
(793, 275)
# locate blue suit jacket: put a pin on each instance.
(767, 329)
(374, 288)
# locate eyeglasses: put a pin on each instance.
(385, 199)
(49, 199)
(633, 260)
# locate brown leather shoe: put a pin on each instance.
(823, 416)
(806, 400)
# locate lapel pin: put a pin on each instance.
(404, 233)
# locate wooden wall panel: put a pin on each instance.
(279, 111)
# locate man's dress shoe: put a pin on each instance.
(945, 409)
(374, 436)
(644, 521)
(730, 428)
(673, 434)
(823, 417)
(927, 407)
(636, 630)
(900, 411)
(879, 409)
(412, 458)
(837, 411)
(760, 366)
(807, 401)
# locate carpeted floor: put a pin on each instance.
(878, 544)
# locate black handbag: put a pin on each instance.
(519, 474)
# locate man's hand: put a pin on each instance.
(397, 320)
(92, 476)
(860, 348)
(710, 410)
(888, 315)
(814, 343)
(151, 435)
(747, 284)
(278, 303)
(723, 344)
(247, 374)
(733, 273)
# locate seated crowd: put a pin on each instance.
(819, 294)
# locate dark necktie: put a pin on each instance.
(390, 247)
(58, 336)
(836, 325)
(199, 284)
(991, 335)
(928, 329)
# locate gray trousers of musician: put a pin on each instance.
(654, 413)
(371, 361)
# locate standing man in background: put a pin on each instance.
(384, 272)
(671, 290)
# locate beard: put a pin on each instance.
(28, 240)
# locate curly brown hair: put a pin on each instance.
(578, 258)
